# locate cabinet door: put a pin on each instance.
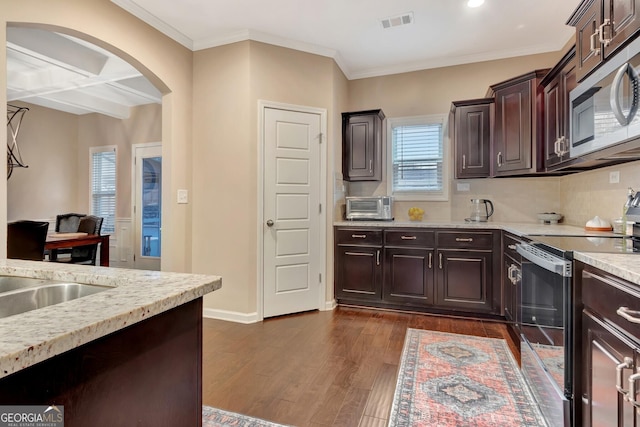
(513, 136)
(472, 124)
(556, 115)
(588, 51)
(358, 273)
(362, 146)
(464, 280)
(621, 21)
(607, 357)
(408, 276)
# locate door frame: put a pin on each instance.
(322, 112)
(134, 183)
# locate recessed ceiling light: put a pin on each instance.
(475, 3)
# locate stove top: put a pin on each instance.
(565, 245)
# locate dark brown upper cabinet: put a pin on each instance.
(362, 145)
(518, 129)
(602, 27)
(471, 135)
(557, 85)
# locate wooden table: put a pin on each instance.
(54, 242)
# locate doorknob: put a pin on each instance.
(269, 223)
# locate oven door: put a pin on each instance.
(545, 328)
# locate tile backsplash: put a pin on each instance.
(579, 196)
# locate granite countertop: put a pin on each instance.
(517, 228)
(625, 266)
(37, 335)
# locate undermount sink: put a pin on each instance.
(22, 294)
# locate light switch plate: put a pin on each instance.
(614, 177)
(183, 196)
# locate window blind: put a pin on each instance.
(103, 188)
(417, 158)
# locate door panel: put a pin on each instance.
(147, 206)
(291, 240)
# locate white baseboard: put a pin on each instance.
(330, 305)
(230, 316)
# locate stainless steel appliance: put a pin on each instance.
(375, 208)
(546, 310)
(481, 210)
(604, 109)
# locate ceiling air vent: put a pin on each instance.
(396, 21)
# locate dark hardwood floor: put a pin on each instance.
(334, 368)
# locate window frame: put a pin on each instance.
(92, 151)
(442, 195)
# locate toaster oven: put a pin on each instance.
(375, 208)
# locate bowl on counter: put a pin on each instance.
(549, 217)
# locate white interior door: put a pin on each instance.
(291, 212)
(147, 206)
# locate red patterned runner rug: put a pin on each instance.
(453, 380)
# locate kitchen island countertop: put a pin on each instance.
(37, 335)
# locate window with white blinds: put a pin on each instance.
(103, 186)
(417, 158)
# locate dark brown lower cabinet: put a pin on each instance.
(609, 328)
(418, 268)
(608, 361)
(147, 374)
(408, 276)
(464, 280)
(358, 272)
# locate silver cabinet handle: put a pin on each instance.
(378, 257)
(512, 247)
(511, 273)
(499, 158)
(631, 397)
(605, 23)
(556, 147)
(563, 144)
(440, 260)
(464, 161)
(627, 363)
(408, 237)
(464, 239)
(358, 236)
(370, 166)
(625, 313)
(430, 260)
(593, 39)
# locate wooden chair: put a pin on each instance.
(26, 239)
(89, 224)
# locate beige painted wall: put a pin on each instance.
(166, 63)
(96, 130)
(48, 141)
(230, 80)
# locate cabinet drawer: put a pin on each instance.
(359, 236)
(509, 243)
(410, 238)
(465, 240)
(605, 295)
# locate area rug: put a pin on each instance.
(452, 380)
(212, 417)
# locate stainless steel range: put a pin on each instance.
(546, 311)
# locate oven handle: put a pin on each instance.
(545, 260)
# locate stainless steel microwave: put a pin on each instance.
(604, 106)
(375, 208)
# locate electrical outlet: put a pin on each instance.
(463, 186)
(614, 177)
(183, 196)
